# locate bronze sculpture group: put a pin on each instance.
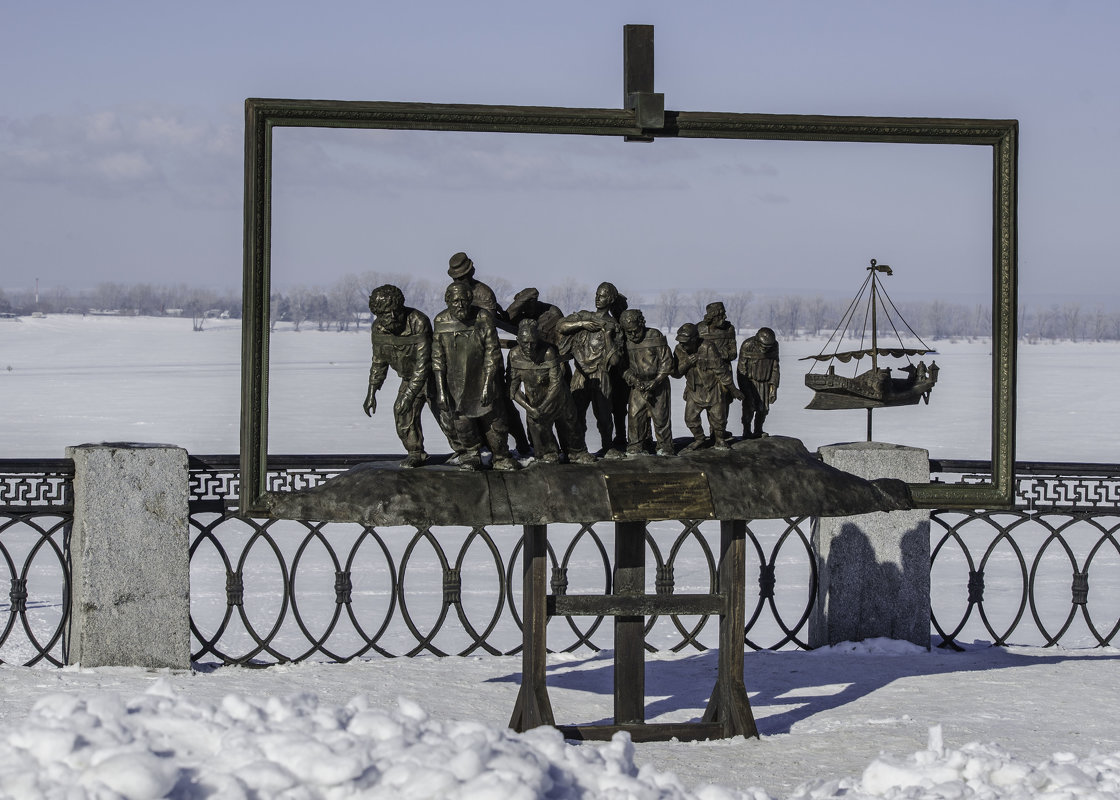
(607, 359)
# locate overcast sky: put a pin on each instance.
(121, 140)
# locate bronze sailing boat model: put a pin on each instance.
(876, 387)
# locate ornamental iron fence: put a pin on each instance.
(36, 510)
(1045, 572)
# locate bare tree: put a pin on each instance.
(670, 305)
(1070, 317)
(738, 306)
(299, 306)
(568, 296)
(786, 313)
(503, 289)
(818, 314)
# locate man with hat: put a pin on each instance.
(467, 365)
(708, 386)
(758, 379)
(716, 329)
(461, 269)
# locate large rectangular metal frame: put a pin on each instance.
(263, 115)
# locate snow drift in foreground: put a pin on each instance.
(160, 744)
(986, 772)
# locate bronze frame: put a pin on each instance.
(262, 115)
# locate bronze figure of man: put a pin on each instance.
(758, 379)
(708, 386)
(467, 367)
(402, 339)
(716, 330)
(537, 383)
(594, 342)
(649, 365)
(462, 270)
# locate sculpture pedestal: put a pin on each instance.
(873, 569)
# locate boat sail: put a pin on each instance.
(876, 387)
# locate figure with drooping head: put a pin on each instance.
(537, 383)
(649, 363)
(708, 386)
(759, 374)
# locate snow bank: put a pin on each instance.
(160, 744)
(975, 771)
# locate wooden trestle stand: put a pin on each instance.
(729, 710)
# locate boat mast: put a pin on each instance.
(875, 268)
(874, 320)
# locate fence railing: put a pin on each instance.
(268, 591)
(1023, 576)
(36, 510)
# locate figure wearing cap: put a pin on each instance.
(708, 386)
(461, 269)
(758, 379)
(467, 365)
(716, 329)
(537, 383)
(401, 338)
(649, 363)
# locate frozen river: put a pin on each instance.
(68, 380)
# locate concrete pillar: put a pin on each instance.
(873, 568)
(130, 570)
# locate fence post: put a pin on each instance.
(873, 568)
(129, 554)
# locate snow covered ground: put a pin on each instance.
(876, 719)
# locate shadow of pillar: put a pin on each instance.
(874, 568)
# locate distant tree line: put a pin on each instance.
(141, 299)
(343, 306)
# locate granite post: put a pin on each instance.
(129, 552)
(873, 568)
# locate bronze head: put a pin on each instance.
(633, 324)
(689, 337)
(387, 303)
(605, 296)
(458, 297)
